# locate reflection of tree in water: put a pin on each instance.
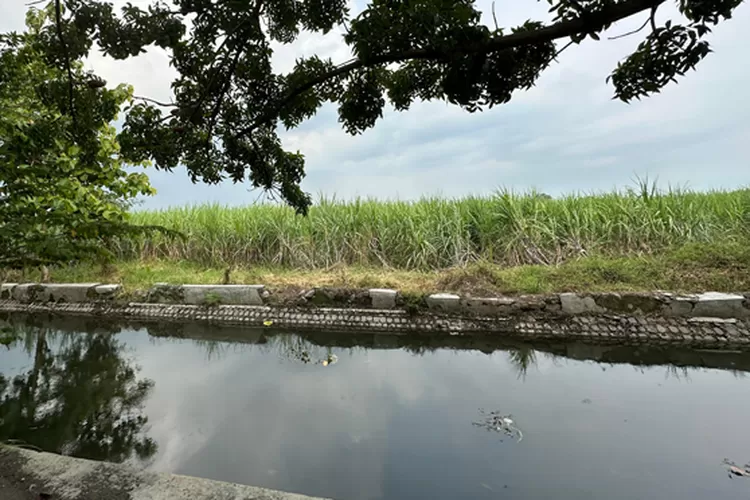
(297, 348)
(522, 358)
(84, 399)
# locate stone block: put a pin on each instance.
(572, 303)
(681, 306)
(67, 292)
(631, 303)
(446, 302)
(223, 294)
(107, 291)
(164, 293)
(720, 305)
(383, 298)
(26, 292)
(6, 290)
(490, 306)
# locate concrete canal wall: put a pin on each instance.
(26, 474)
(707, 320)
(710, 304)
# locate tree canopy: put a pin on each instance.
(63, 188)
(229, 103)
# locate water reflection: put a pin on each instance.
(399, 416)
(79, 397)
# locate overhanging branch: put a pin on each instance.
(593, 22)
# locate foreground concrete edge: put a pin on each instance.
(30, 474)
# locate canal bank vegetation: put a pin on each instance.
(631, 240)
(691, 268)
(508, 229)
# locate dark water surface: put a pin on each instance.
(383, 421)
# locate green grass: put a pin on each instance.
(507, 229)
(691, 268)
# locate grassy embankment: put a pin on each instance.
(630, 240)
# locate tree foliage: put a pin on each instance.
(229, 102)
(63, 189)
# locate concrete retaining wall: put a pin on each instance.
(602, 329)
(710, 304)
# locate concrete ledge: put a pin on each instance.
(658, 304)
(34, 474)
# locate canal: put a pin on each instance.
(361, 416)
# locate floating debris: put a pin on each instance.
(497, 422)
(332, 359)
(268, 322)
(735, 470)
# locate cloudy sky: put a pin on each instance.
(565, 135)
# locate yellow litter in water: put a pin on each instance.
(268, 322)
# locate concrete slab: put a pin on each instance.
(446, 302)
(572, 303)
(682, 305)
(107, 291)
(6, 290)
(383, 298)
(26, 292)
(67, 292)
(720, 305)
(223, 294)
(66, 478)
(490, 306)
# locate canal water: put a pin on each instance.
(379, 417)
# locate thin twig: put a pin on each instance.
(630, 32)
(494, 17)
(58, 23)
(158, 103)
(562, 49)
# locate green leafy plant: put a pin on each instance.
(212, 299)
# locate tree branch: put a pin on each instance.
(61, 38)
(652, 18)
(562, 29)
(214, 69)
(223, 91)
